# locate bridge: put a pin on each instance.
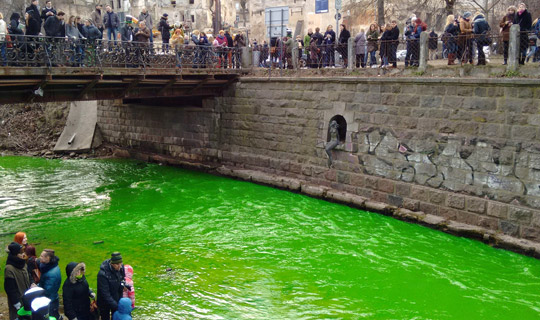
(41, 69)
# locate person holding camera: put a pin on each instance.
(110, 285)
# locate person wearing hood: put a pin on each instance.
(124, 310)
(34, 8)
(465, 38)
(76, 293)
(147, 18)
(110, 288)
(524, 19)
(360, 48)
(165, 30)
(16, 280)
(480, 29)
(50, 276)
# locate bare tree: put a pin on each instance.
(380, 12)
(9, 6)
(450, 6)
(486, 6)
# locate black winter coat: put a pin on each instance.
(54, 27)
(524, 20)
(76, 294)
(109, 282)
(344, 36)
(33, 28)
(34, 12)
(165, 29)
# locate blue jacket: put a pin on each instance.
(50, 278)
(480, 25)
(537, 28)
(124, 310)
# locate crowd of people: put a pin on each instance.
(465, 36)
(32, 284)
(462, 34)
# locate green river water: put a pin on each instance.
(243, 251)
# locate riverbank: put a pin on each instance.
(4, 313)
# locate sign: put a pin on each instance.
(276, 20)
(338, 4)
(321, 6)
(337, 16)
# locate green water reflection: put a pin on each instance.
(243, 251)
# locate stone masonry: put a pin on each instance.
(461, 149)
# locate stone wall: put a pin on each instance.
(464, 150)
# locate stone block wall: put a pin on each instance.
(464, 150)
(186, 133)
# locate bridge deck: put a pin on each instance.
(28, 84)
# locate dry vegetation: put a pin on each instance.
(31, 127)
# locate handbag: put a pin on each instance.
(94, 311)
(36, 274)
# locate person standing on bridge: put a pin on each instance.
(165, 30)
(147, 18)
(111, 22)
(33, 7)
(54, 26)
(3, 33)
(48, 11)
(97, 18)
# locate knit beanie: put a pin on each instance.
(14, 248)
(30, 295)
(116, 258)
(40, 308)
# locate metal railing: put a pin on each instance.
(39, 51)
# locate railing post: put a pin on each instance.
(351, 53)
(247, 57)
(424, 53)
(513, 49)
(294, 55)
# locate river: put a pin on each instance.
(209, 247)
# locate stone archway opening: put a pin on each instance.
(342, 129)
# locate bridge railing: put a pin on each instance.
(39, 51)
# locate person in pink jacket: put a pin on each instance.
(129, 290)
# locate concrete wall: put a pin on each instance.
(464, 150)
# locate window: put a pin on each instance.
(119, 4)
(191, 1)
(192, 18)
(112, 4)
(321, 6)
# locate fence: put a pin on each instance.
(37, 51)
(417, 52)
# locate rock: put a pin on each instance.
(72, 155)
(48, 153)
